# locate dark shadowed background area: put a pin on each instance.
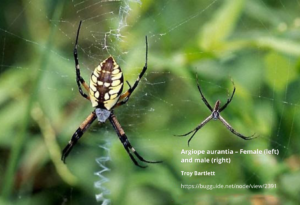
(254, 43)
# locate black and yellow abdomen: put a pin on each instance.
(106, 84)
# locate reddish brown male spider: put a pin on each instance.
(215, 115)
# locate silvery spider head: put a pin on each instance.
(215, 115)
(102, 114)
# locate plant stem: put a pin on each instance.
(19, 143)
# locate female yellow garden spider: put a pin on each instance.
(105, 93)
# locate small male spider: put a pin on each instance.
(105, 94)
(215, 115)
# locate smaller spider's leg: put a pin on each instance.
(77, 135)
(203, 98)
(228, 126)
(128, 147)
(128, 93)
(192, 136)
(228, 100)
(79, 79)
(196, 129)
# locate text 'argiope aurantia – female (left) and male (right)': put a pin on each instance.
(105, 94)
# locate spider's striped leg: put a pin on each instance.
(228, 100)
(128, 93)
(228, 126)
(125, 96)
(196, 129)
(77, 135)
(80, 81)
(123, 138)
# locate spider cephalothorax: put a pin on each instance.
(105, 94)
(215, 115)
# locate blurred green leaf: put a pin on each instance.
(279, 71)
(219, 28)
(279, 45)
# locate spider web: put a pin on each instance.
(260, 53)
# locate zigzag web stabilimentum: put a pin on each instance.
(102, 161)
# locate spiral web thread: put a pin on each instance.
(102, 161)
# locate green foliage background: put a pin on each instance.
(256, 43)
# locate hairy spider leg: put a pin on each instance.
(196, 129)
(228, 100)
(77, 135)
(202, 96)
(123, 138)
(79, 79)
(229, 127)
(125, 97)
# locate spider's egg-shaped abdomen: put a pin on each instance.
(106, 84)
